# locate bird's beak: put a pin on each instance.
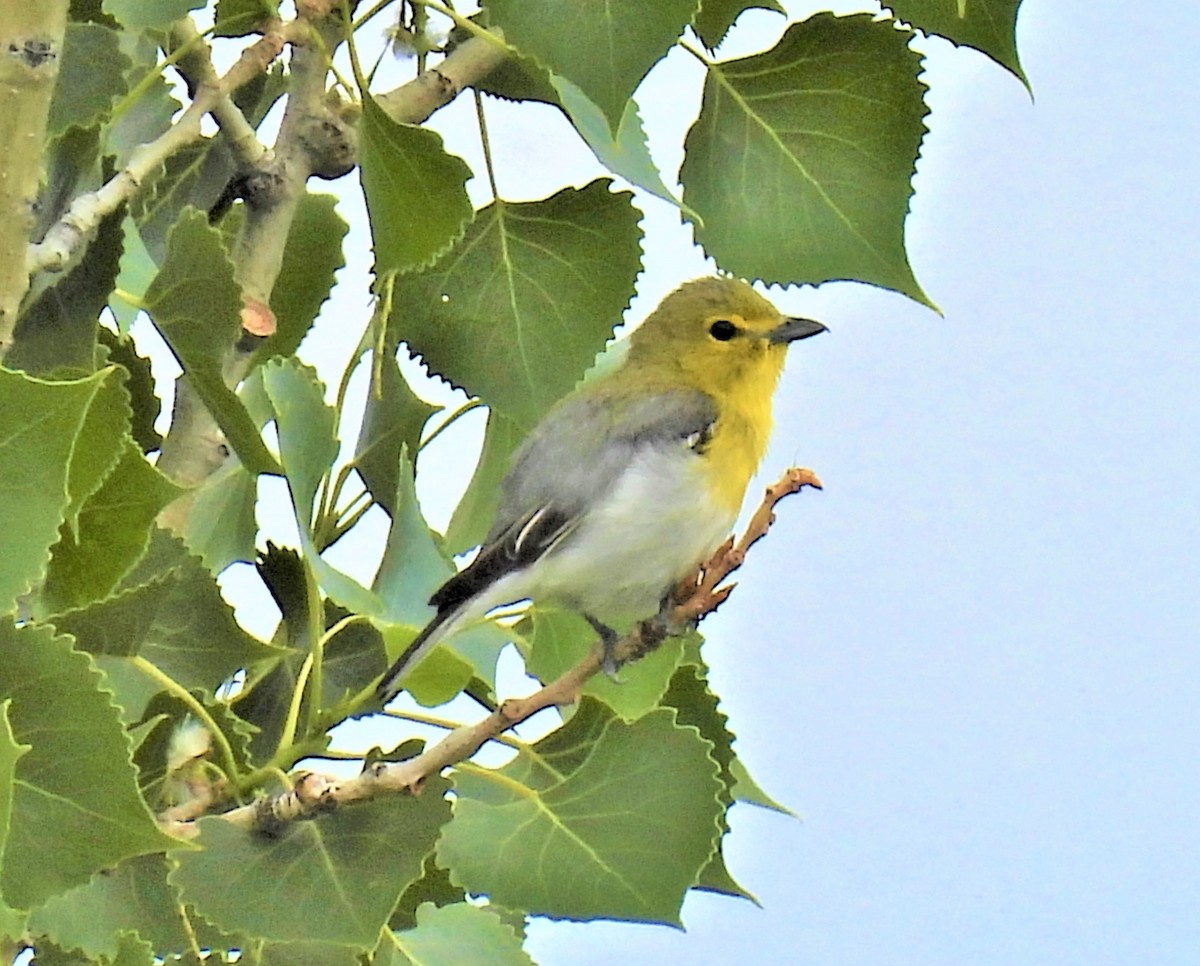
(792, 329)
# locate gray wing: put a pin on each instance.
(561, 465)
(560, 470)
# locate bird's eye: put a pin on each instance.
(722, 330)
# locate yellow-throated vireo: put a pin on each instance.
(628, 483)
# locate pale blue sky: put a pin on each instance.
(973, 662)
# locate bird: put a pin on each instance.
(629, 482)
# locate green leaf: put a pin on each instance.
(236, 18)
(609, 47)
(697, 706)
(473, 516)
(746, 789)
(11, 924)
(392, 423)
(411, 570)
(334, 879)
(114, 529)
(516, 313)
(77, 784)
(416, 193)
(56, 333)
(433, 888)
(221, 527)
(139, 383)
(150, 114)
(309, 954)
(196, 304)
(602, 819)
(307, 447)
(132, 950)
(802, 158)
(91, 77)
(458, 933)
(137, 271)
(989, 26)
(627, 155)
(150, 13)
(311, 258)
(101, 444)
(133, 897)
(558, 640)
(715, 18)
(38, 436)
(178, 621)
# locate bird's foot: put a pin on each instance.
(608, 643)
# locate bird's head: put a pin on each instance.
(720, 336)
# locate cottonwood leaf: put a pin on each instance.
(626, 154)
(77, 784)
(517, 311)
(746, 789)
(412, 568)
(38, 437)
(697, 705)
(195, 303)
(473, 516)
(989, 26)
(802, 158)
(557, 640)
(715, 18)
(11, 922)
(609, 47)
(311, 258)
(91, 77)
(113, 530)
(236, 18)
(133, 897)
(144, 402)
(604, 819)
(178, 622)
(136, 273)
(416, 192)
(394, 419)
(221, 526)
(150, 13)
(307, 447)
(334, 879)
(150, 114)
(433, 888)
(453, 934)
(56, 333)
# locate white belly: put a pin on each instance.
(651, 531)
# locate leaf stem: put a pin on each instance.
(371, 14)
(316, 635)
(462, 410)
(174, 688)
(173, 58)
(287, 737)
(487, 147)
(447, 725)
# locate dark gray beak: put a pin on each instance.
(793, 329)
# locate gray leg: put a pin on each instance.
(608, 638)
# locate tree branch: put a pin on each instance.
(31, 43)
(694, 599)
(470, 61)
(53, 253)
(196, 67)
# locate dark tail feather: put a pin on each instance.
(390, 684)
